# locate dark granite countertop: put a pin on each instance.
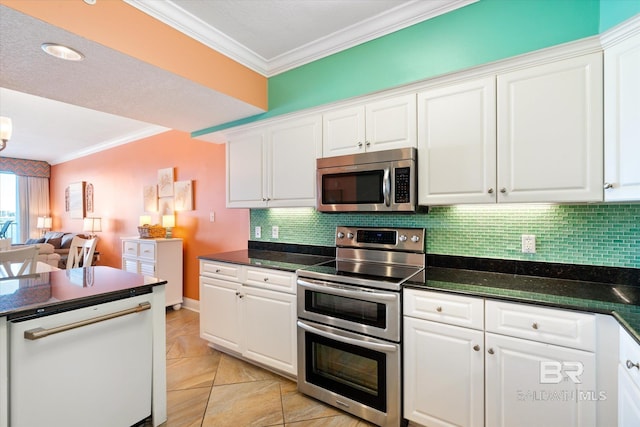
(606, 290)
(46, 293)
(621, 301)
(288, 261)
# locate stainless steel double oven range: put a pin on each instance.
(350, 317)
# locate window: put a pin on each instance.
(8, 204)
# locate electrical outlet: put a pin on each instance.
(528, 244)
(212, 216)
(257, 232)
(275, 230)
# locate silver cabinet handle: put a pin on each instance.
(630, 365)
(535, 325)
(367, 143)
(439, 309)
(490, 351)
(37, 333)
(476, 347)
(503, 190)
(359, 144)
(490, 191)
(608, 186)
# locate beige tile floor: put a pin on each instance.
(208, 388)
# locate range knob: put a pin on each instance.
(340, 235)
(415, 239)
(402, 238)
(349, 235)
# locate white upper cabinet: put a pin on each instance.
(457, 143)
(274, 165)
(379, 125)
(622, 120)
(550, 137)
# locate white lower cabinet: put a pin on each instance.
(250, 312)
(444, 374)
(536, 384)
(628, 381)
(505, 372)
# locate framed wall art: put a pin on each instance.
(150, 198)
(75, 200)
(165, 182)
(183, 195)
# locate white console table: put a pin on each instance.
(161, 258)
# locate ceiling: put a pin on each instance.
(62, 110)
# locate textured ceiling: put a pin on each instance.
(63, 110)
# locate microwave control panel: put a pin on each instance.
(402, 180)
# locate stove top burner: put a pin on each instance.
(368, 274)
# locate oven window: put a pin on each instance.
(348, 370)
(351, 309)
(353, 188)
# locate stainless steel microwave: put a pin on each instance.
(381, 181)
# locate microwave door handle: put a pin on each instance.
(384, 348)
(386, 187)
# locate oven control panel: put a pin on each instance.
(401, 239)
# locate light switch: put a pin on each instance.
(212, 217)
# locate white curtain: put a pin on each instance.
(33, 198)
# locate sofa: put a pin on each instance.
(60, 241)
(46, 253)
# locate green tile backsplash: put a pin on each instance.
(602, 234)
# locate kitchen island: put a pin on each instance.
(82, 346)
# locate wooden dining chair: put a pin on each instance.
(23, 259)
(81, 252)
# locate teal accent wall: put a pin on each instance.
(602, 234)
(476, 34)
(613, 12)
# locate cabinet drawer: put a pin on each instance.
(271, 279)
(220, 270)
(548, 325)
(630, 356)
(445, 308)
(147, 251)
(130, 249)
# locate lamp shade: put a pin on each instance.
(92, 224)
(5, 128)
(145, 220)
(44, 222)
(168, 221)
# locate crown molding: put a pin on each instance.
(621, 32)
(395, 19)
(124, 139)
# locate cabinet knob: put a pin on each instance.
(631, 365)
(359, 144)
(266, 279)
(535, 325)
(240, 295)
(439, 309)
(490, 351)
(217, 270)
(608, 185)
(503, 190)
(476, 347)
(490, 191)
(367, 143)
(237, 293)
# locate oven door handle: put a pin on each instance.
(352, 293)
(384, 348)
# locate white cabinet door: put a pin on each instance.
(270, 328)
(531, 384)
(220, 320)
(379, 125)
(343, 132)
(391, 123)
(294, 147)
(550, 140)
(628, 399)
(622, 121)
(443, 374)
(457, 143)
(246, 170)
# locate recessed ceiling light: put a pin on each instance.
(62, 52)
